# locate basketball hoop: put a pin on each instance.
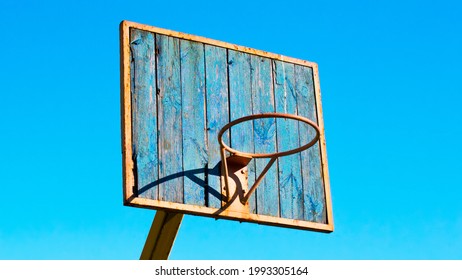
(243, 158)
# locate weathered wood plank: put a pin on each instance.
(144, 110)
(229, 215)
(313, 186)
(240, 103)
(217, 116)
(217, 43)
(290, 181)
(169, 119)
(267, 194)
(193, 113)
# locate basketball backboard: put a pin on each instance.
(178, 91)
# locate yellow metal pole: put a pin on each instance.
(161, 236)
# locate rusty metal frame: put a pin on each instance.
(242, 158)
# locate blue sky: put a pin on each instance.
(390, 80)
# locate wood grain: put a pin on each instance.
(290, 181)
(217, 43)
(144, 109)
(217, 116)
(240, 103)
(313, 186)
(322, 142)
(126, 114)
(193, 121)
(267, 193)
(169, 117)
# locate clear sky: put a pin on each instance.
(392, 96)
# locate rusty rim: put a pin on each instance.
(267, 116)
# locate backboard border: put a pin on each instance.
(130, 199)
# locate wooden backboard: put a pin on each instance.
(179, 90)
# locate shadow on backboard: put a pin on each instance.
(194, 175)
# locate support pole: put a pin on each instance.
(161, 236)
